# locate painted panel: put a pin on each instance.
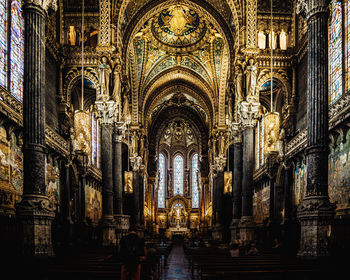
(93, 202)
(53, 185)
(299, 182)
(261, 201)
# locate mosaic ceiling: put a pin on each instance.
(178, 26)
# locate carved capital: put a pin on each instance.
(108, 111)
(40, 4)
(219, 163)
(248, 113)
(308, 8)
(119, 131)
(236, 132)
(136, 163)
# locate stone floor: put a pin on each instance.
(177, 266)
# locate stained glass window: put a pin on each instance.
(347, 47)
(195, 192)
(3, 43)
(161, 187)
(335, 52)
(178, 175)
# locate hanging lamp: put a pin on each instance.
(271, 119)
(82, 123)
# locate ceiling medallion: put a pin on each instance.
(178, 26)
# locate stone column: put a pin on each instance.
(106, 111)
(217, 202)
(137, 174)
(66, 205)
(237, 189)
(121, 221)
(248, 114)
(34, 211)
(315, 212)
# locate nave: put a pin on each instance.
(180, 258)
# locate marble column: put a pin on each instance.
(315, 212)
(121, 221)
(68, 223)
(248, 111)
(34, 211)
(106, 111)
(236, 189)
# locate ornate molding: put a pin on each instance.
(56, 141)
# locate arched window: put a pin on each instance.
(283, 40)
(335, 52)
(161, 186)
(261, 40)
(178, 175)
(195, 192)
(15, 47)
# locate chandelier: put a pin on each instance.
(271, 119)
(82, 123)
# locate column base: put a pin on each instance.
(36, 216)
(108, 232)
(217, 232)
(122, 225)
(235, 231)
(315, 214)
(247, 229)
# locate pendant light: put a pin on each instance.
(271, 119)
(82, 123)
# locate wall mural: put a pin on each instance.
(93, 202)
(53, 184)
(11, 172)
(261, 201)
(299, 181)
(339, 173)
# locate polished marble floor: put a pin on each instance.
(177, 266)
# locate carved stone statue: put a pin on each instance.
(104, 76)
(117, 85)
(238, 84)
(126, 111)
(251, 74)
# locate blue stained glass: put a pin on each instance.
(178, 175)
(195, 192)
(17, 50)
(335, 53)
(161, 186)
(3, 43)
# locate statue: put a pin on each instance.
(251, 73)
(72, 36)
(239, 79)
(104, 73)
(117, 85)
(126, 112)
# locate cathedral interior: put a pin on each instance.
(219, 121)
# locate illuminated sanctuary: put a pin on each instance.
(212, 123)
